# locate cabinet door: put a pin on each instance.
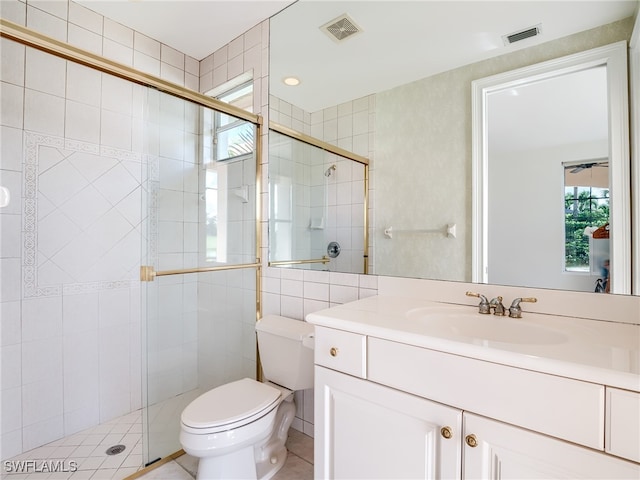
(505, 451)
(367, 431)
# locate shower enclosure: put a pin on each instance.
(106, 171)
(318, 204)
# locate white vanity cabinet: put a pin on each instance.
(388, 410)
(370, 431)
(504, 451)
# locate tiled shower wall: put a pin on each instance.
(72, 156)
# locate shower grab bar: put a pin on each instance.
(148, 273)
(324, 259)
(448, 230)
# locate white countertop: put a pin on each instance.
(595, 351)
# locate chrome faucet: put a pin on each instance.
(498, 307)
(483, 306)
(515, 311)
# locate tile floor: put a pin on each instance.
(299, 464)
(87, 449)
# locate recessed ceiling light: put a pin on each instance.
(291, 81)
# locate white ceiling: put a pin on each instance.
(402, 41)
(194, 27)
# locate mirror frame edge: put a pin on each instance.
(614, 56)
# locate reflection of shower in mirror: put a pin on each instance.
(330, 170)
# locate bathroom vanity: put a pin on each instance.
(409, 388)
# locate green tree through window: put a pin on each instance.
(584, 207)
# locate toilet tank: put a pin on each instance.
(286, 351)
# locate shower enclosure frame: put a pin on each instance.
(34, 39)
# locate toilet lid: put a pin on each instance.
(229, 403)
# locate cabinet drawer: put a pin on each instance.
(622, 424)
(340, 350)
(556, 406)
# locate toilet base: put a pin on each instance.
(236, 465)
(253, 462)
(271, 456)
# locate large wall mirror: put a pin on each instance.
(392, 81)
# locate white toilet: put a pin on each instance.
(238, 430)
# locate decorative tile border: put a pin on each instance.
(32, 143)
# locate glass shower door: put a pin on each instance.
(200, 234)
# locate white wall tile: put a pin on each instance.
(15, 11)
(83, 84)
(88, 19)
(117, 51)
(292, 307)
(10, 323)
(42, 432)
(10, 236)
(172, 74)
(342, 294)
(147, 45)
(10, 367)
(11, 106)
(43, 113)
(82, 122)
(11, 149)
(12, 56)
(11, 412)
(46, 23)
(85, 39)
(117, 94)
(293, 288)
(117, 32)
(146, 63)
(10, 269)
(80, 313)
(113, 308)
(42, 360)
(41, 318)
(172, 57)
(116, 130)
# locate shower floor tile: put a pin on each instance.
(88, 450)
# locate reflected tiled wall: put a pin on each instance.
(351, 126)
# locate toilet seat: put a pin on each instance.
(229, 406)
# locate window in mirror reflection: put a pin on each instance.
(586, 207)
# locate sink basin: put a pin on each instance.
(459, 323)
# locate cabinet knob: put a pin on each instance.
(471, 441)
(333, 352)
(446, 432)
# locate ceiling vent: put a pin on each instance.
(341, 28)
(522, 34)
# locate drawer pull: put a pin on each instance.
(471, 441)
(446, 432)
(333, 352)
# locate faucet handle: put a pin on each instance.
(515, 311)
(483, 306)
(498, 307)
